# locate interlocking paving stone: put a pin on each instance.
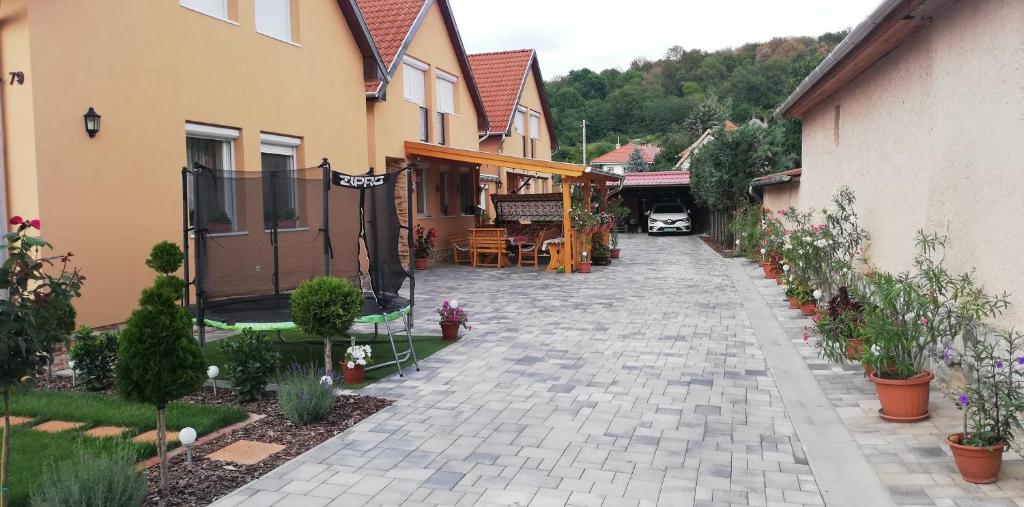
(57, 426)
(106, 431)
(247, 452)
(15, 421)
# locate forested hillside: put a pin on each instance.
(672, 100)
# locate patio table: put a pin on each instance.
(554, 246)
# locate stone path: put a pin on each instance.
(640, 384)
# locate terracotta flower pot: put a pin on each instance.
(449, 331)
(422, 264)
(903, 400)
(584, 267)
(616, 252)
(778, 279)
(807, 309)
(355, 375)
(794, 303)
(978, 465)
(854, 348)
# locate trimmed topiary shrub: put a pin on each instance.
(95, 356)
(159, 361)
(304, 396)
(326, 307)
(251, 362)
(165, 258)
(91, 479)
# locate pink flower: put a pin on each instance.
(782, 212)
(815, 318)
(806, 337)
(35, 223)
(923, 321)
(17, 220)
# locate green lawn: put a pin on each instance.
(298, 348)
(32, 450)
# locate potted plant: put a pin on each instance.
(794, 303)
(353, 368)
(287, 218)
(992, 403)
(601, 254)
(840, 329)
(584, 265)
(619, 213)
(219, 222)
(424, 246)
(452, 317)
(808, 301)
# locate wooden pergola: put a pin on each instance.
(572, 175)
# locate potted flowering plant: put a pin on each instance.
(840, 328)
(584, 265)
(601, 254)
(452, 317)
(287, 218)
(354, 365)
(424, 246)
(992, 403)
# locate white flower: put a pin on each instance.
(358, 353)
(351, 364)
(876, 350)
(454, 303)
(361, 362)
(326, 380)
(817, 294)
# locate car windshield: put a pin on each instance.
(669, 208)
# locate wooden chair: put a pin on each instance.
(531, 250)
(461, 251)
(487, 242)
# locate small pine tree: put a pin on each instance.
(159, 361)
(636, 162)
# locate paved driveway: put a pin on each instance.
(639, 384)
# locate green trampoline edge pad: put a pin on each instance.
(284, 326)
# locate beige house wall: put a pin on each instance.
(781, 196)
(149, 67)
(931, 137)
(19, 126)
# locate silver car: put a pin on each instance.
(668, 217)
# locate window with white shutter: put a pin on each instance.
(274, 18)
(520, 121)
(413, 82)
(215, 8)
(445, 96)
(534, 125)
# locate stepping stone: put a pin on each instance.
(57, 426)
(245, 452)
(106, 431)
(150, 437)
(16, 420)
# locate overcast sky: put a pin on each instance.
(598, 34)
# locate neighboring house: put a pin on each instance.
(520, 121)
(686, 156)
(919, 112)
(616, 160)
(432, 98)
(235, 84)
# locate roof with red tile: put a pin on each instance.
(729, 126)
(779, 177)
(655, 179)
(390, 21)
(500, 77)
(621, 155)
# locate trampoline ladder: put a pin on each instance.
(399, 358)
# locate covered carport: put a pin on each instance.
(641, 191)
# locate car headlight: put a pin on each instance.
(651, 221)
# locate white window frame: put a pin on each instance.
(274, 144)
(421, 193)
(412, 66)
(534, 132)
(287, 36)
(215, 15)
(228, 136)
(520, 120)
(444, 77)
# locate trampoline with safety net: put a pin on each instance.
(259, 235)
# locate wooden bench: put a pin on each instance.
(461, 251)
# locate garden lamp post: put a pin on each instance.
(212, 372)
(187, 437)
(71, 366)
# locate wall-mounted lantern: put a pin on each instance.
(92, 122)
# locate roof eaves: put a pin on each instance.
(373, 63)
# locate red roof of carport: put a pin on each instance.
(657, 179)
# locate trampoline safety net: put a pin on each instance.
(259, 235)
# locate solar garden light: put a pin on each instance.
(71, 366)
(212, 372)
(187, 437)
(785, 267)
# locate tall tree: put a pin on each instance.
(721, 170)
(636, 162)
(707, 115)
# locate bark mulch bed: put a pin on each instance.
(209, 479)
(716, 246)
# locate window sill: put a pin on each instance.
(292, 229)
(286, 41)
(192, 235)
(226, 20)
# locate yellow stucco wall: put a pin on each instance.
(930, 137)
(394, 121)
(148, 67)
(18, 105)
(781, 196)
